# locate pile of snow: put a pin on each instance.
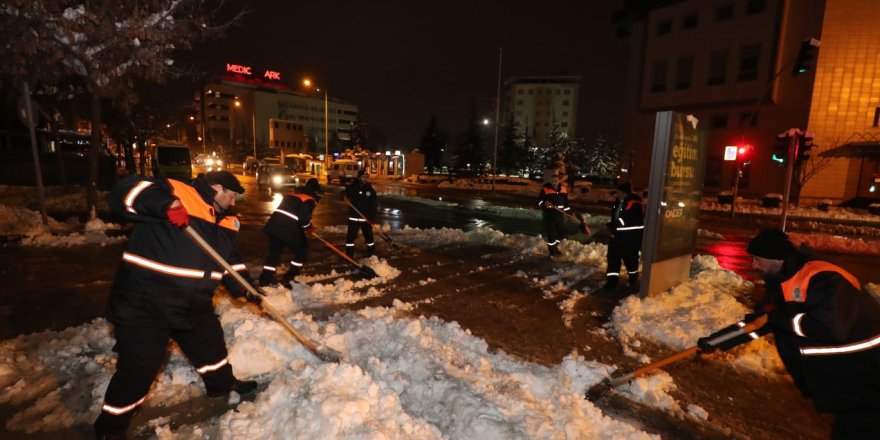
(26, 226)
(705, 304)
(753, 206)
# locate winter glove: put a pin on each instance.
(256, 299)
(586, 228)
(177, 215)
(704, 346)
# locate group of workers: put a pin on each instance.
(827, 330)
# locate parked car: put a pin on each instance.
(342, 170)
(275, 177)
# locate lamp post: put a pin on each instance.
(308, 84)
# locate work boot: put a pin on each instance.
(289, 278)
(371, 250)
(633, 279)
(267, 278)
(554, 251)
(610, 283)
(349, 250)
(244, 388)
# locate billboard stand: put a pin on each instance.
(675, 189)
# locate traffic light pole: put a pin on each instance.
(739, 173)
(794, 137)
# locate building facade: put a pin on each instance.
(845, 109)
(729, 63)
(538, 103)
(238, 111)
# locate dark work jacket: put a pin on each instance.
(363, 197)
(824, 337)
(290, 218)
(165, 280)
(550, 197)
(628, 215)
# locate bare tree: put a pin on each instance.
(106, 44)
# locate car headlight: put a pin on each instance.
(219, 163)
(209, 162)
(277, 180)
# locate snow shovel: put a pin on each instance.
(328, 355)
(362, 268)
(572, 216)
(378, 229)
(598, 390)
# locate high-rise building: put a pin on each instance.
(538, 103)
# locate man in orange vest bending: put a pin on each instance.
(827, 333)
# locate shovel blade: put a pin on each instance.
(367, 271)
(327, 354)
(598, 390)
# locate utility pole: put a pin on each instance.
(497, 122)
(254, 129)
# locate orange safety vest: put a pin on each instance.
(196, 207)
(795, 288)
(562, 190)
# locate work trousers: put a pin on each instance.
(553, 227)
(141, 352)
(367, 229)
(625, 245)
(300, 251)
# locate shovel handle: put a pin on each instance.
(572, 216)
(748, 328)
(381, 234)
(335, 249)
(268, 309)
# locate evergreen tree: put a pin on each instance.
(550, 154)
(433, 144)
(603, 156)
(470, 154)
(513, 156)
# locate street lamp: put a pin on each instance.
(308, 84)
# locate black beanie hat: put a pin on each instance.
(313, 188)
(226, 179)
(361, 173)
(772, 244)
(624, 187)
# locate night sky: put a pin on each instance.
(401, 61)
